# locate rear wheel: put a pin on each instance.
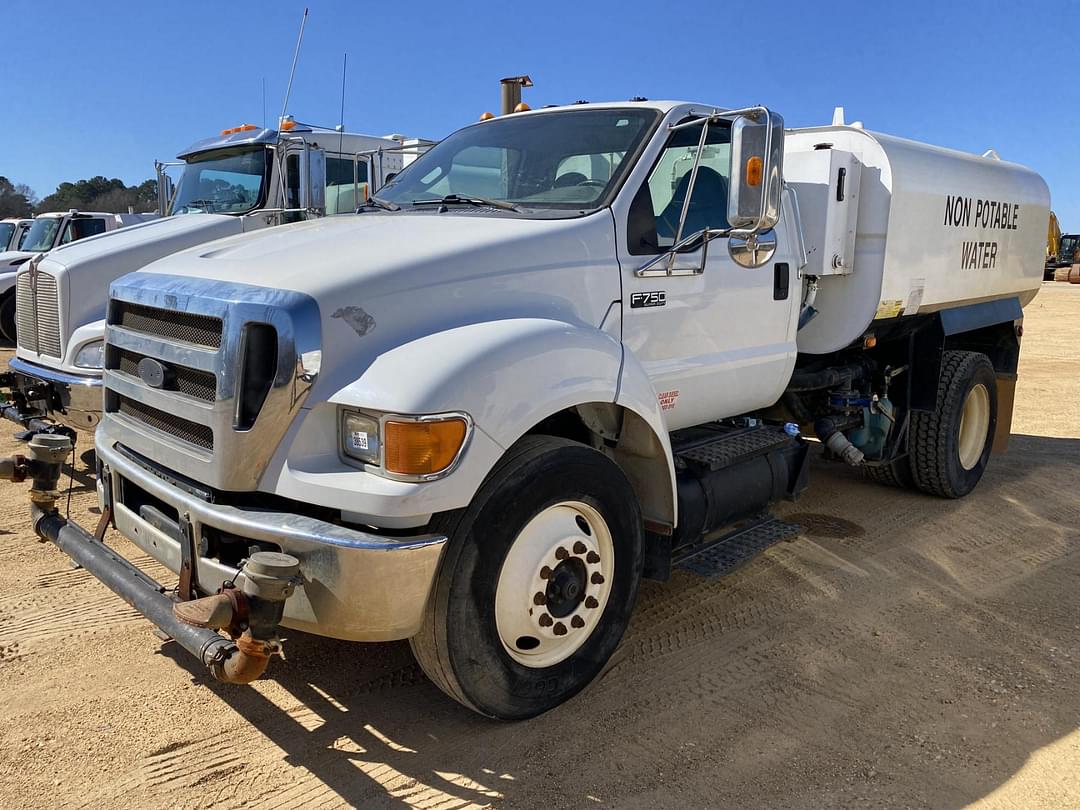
(894, 474)
(7, 316)
(537, 583)
(950, 446)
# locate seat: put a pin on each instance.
(708, 207)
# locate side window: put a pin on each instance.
(343, 195)
(655, 212)
(81, 228)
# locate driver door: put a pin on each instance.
(714, 338)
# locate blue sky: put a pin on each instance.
(104, 88)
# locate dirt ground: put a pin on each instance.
(904, 651)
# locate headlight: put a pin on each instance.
(92, 355)
(360, 437)
(407, 447)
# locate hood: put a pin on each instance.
(382, 279)
(12, 259)
(86, 268)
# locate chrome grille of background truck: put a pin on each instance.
(37, 312)
(205, 377)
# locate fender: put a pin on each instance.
(508, 375)
(7, 281)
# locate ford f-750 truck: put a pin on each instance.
(562, 351)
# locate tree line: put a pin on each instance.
(94, 194)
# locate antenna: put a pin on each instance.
(341, 119)
(292, 73)
(264, 101)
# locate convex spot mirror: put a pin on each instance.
(757, 154)
(754, 250)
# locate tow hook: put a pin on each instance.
(249, 613)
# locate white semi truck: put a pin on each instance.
(46, 232)
(245, 179)
(562, 351)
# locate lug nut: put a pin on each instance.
(559, 629)
(591, 603)
(546, 620)
(561, 553)
(597, 578)
(545, 573)
(539, 598)
(580, 548)
(577, 622)
(592, 557)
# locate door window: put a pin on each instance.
(343, 195)
(655, 213)
(82, 228)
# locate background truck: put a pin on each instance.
(563, 350)
(12, 231)
(47, 232)
(245, 179)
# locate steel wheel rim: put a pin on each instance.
(565, 544)
(974, 425)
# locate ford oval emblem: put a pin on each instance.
(152, 372)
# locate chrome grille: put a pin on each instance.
(186, 327)
(37, 313)
(199, 384)
(190, 432)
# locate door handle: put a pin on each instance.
(781, 279)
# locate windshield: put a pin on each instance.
(6, 230)
(41, 235)
(570, 160)
(226, 181)
(1069, 245)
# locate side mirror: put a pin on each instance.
(313, 180)
(757, 155)
(164, 188)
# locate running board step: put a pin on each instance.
(723, 554)
(711, 448)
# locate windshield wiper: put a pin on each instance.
(457, 199)
(375, 202)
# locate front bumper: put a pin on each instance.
(355, 585)
(74, 400)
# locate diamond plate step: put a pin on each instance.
(727, 448)
(733, 550)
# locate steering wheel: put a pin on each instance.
(594, 183)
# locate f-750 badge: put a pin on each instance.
(648, 299)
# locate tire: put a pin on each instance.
(7, 317)
(896, 474)
(944, 461)
(473, 610)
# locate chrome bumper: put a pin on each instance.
(356, 585)
(75, 400)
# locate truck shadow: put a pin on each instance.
(905, 650)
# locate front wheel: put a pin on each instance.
(537, 583)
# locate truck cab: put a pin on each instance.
(245, 179)
(562, 351)
(12, 231)
(46, 232)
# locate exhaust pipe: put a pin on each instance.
(511, 92)
(266, 580)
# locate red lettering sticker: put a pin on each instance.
(667, 399)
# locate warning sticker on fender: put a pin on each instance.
(667, 399)
(889, 309)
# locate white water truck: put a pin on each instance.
(247, 178)
(564, 350)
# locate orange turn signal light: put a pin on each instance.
(422, 448)
(287, 125)
(755, 171)
(522, 107)
(487, 116)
